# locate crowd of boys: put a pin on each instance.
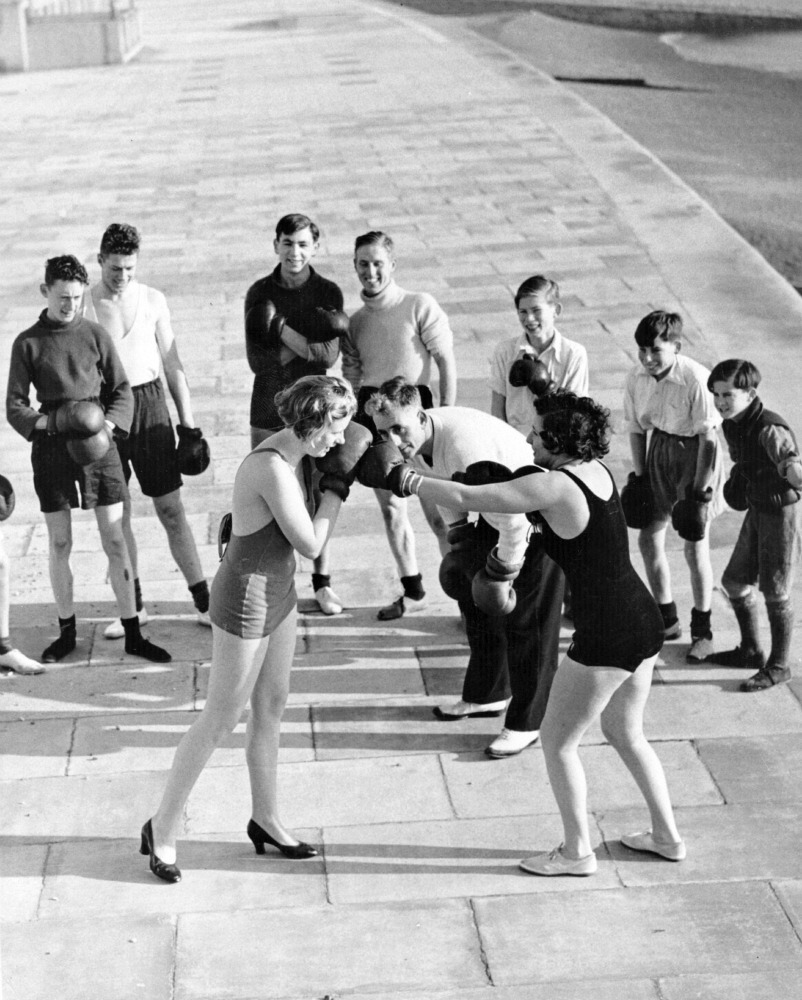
(97, 355)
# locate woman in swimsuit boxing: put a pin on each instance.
(253, 612)
(608, 669)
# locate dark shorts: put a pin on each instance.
(671, 466)
(766, 552)
(57, 479)
(150, 447)
(364, 394)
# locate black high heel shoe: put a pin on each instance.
(260, 837)
(167, 873)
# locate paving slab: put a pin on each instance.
(618, 989)
(755, 769)
(126, 958)
(673, 930)
(35, 749)
(303, 952)
(23, 869)
(107, 878)
(480, 786)
(766, 985)
(760, 841)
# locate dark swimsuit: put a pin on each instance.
(618, 623)
(254, 589)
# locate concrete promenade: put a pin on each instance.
(366, 115)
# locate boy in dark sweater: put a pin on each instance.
(766, 482)
(66, 357)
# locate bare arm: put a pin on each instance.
(174, 373)
(637, 445)
(498, 405)
(282, 494)
(706, 459)
(447, 366)
(518, 496)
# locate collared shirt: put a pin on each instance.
(680, 403)
(565, 360)
(462, 436)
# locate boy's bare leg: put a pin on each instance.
(170, 511)
(652, 544)
(697, 556)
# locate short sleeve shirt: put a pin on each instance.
(679, 403)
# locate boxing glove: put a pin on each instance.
(76, 419)
(456, 574)
(461, 535)
(263, 325)
(690, 515)
(319, 324)
(528, 371)
(85, 450)
(492, 587)
(735, 490)
(377, 463)
(193, 453)
(637, 501)
(339, 464)
(7, 499)
(482, 473)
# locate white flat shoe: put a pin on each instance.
(328, 602)
(510, 742)
(203, 618)
(646, 842)
(555, 863)
(20, 663)
(116, 631)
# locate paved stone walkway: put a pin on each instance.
(367, 116)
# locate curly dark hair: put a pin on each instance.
(573, 425)
(313, 401)
(120, 238)
(65, 268)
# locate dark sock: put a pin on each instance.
(781, 623)
(700, 624)
(745, 609)
(320, 580)
(669, 613)
(413, 587)
(200, 595)
(138, 595)
(64, 644)
(5, 644)
(137, 645)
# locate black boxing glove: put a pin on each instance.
(263, 325)
(736, 490)
(689, 516)
(339, 465)
(319, 324)
(532, 373)
(377, 463)
(482, 473)
(492, 587)
(76, 419)
(85, 450)
(193, 451)
(456, 574)
(637, 501)
(7, 499)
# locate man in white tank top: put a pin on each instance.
(138, 321)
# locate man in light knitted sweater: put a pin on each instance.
(406, 334)
(513, 651)
(138, 320)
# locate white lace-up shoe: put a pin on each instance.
(20, 663)
(510, 742)
(116, 631)
(556, 863)
(328, 602)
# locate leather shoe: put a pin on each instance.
(766, 678)
(646, 842)
(167, 873)
(510, 742)
(556, 863)
(469, 710)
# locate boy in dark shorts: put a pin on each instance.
(293, 323)
(68, 358)
(766, 482)
(137, 318)
(678, 478)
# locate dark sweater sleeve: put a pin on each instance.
(329, 296)
(259, 357)
(19, 412)
(116, 394)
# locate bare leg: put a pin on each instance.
(400, 535)
(130, 541)
(171, 513)
(5, 597)
(697, 556)
(268, 699)
(435, 521)
(622, 725)
(235, 666)
(110, 524)
(59, 532)
(652, 543)
(578, 696)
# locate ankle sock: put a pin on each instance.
(413, 587)
(700, 624)
(5, 644)
(64, 644)
(669, 613)
(137, 645)
(320, 580)
(200, 595)
(138, 595)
